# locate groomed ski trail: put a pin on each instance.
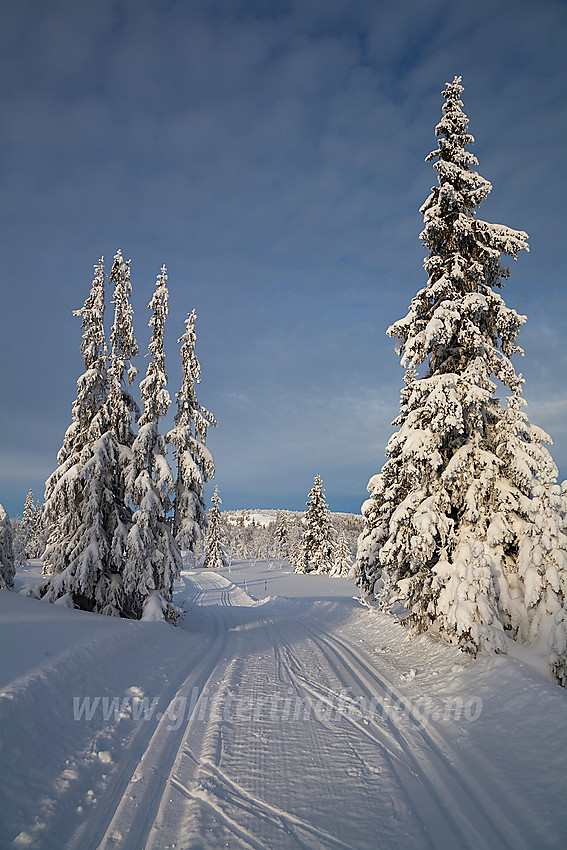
(285, 716)
(259, 770)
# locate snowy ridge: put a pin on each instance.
(267, 516)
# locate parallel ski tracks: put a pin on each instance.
(468, 808)
(436, 783)
(126, 811)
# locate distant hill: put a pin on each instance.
(266, 516)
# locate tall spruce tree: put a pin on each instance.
(215, 556)
(63, 490)
(120, 409)
(464, 526)
(152, 557)
(195, 463)
(81, 507)
(316, 552)
(123, 348)
(86, 508)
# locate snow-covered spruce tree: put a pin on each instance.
(317, 543)
(123, 348)
(463, 526)
(119, 410)
(29, 537)
(342, 558)
(7, 566)
(85, 508)
(281, 536)
(152, 557)
(38, 537)
(215, 557)
(92, 386)
(195, 463)
(18, 544)
(27, 525)
(80, 493)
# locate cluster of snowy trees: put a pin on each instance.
(246, 538)
(112, 547)
(322, 546)
(465, 525)
(316, 540)
(29, 532)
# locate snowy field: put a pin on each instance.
(281, 714)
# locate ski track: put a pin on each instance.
(267, 778)
(447, 790)
(125, 813)
(424, 772)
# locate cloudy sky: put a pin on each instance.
(271, 154)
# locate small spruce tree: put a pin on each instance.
(281, 535)
(342, 558)
(317, 543)
(215, 557)
(27, 525)
(38, 536)
(464, 525)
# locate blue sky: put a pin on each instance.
(271, 154)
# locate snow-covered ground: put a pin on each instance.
(281, 714)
